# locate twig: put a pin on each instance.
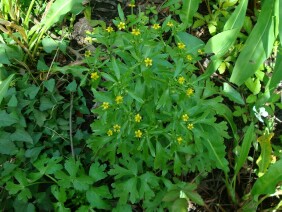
(70, 124)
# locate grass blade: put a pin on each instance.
(4, 85)
(257, 47)
(245, 148)
(188, 10)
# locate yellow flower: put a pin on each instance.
(189, 92)
(121, 25)
(131, 5)
(185, 117)
(110, 133)
(88, 32)
(181, 45)
(137, 117)
(156, 26)
(135, 32)
(87, 53)
(148, 62)
(119, 99)
(138, 134)
(105, 105)
(179, 139)
(170, 24)
(189, 57)
(88, 39)
(94, 76)
(181, 80)
(200, 51)
(109, 29)
(116, 128)
(190, 126)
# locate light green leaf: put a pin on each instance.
(245, 148)
(264, 159)
(237, 18)
(49, 44)
(254, 85)
(4, 85)
(220, 43)
(192, 43)
(268, 182)
(257, 47)
(232, 94)
(188, 10)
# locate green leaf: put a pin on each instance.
(120, 13)
(245, 148)
(59, 193)
(237, 18)
(72, 86)
(13, 102)
(232, 94)
(264, 159)
(254, 85)
(97, 171)
(82, 183)
(21, 135)
(49, 84)
(7, 146)
(164, 99)
(188, 10)
(269, 181)
(171, 195)
(4, 85)
(41, 65)
(179, 67)
(116, 68)
(96, 197)
(72, 167)
(258, 46)
(102, 96)
(45, 103)
(7, 119)
(134, 96)
(277, 72)
(192, 43)
(220, 43)
(49, 44)
(195, 197)
(13, 188)
(179, 205)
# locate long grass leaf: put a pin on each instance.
(257, 47)
(245, 148)
(188, 10)
(4, 85)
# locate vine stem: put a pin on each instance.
(70, 124)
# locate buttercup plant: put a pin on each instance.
(154, 116)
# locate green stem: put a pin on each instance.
(27, 19)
